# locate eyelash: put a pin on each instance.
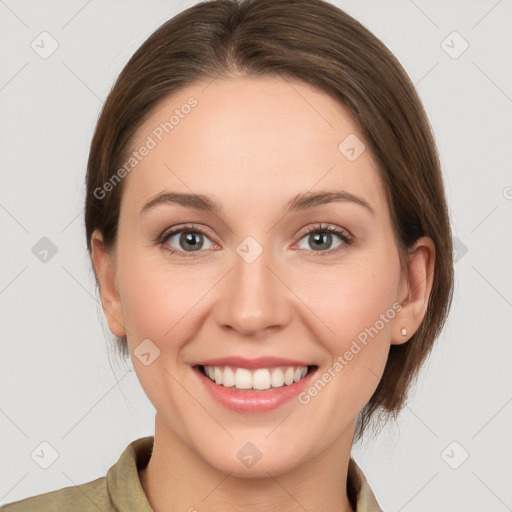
(345, 236)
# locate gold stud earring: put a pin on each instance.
(403, 331)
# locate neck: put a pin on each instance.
(176, 477)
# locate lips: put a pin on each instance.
(253, 385)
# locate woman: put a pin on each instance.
(268, 228)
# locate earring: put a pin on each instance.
(403, 331)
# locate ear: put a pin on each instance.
(415, 289)
(105, 270)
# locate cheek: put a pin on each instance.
(159, 302)
(350, 299)
(356, 303)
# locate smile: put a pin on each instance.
(253, 385)
(259, 379)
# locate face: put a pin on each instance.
(270, 273)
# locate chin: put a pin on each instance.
(255, 459)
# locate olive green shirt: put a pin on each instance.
(121, 491)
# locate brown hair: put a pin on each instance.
(319, 44)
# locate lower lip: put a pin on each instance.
(254, 401)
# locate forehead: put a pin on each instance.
(251, 140)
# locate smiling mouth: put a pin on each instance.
(260, 379)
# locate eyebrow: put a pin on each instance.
(298, 203)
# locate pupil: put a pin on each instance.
(323, 239)
(191, 239)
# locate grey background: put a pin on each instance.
(59, 379)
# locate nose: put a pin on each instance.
(253, 299)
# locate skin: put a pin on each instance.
(252, 144)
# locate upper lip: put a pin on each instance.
(259, 362)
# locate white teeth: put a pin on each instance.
(288, 376)
(228, 379)
(277, 378)
(243, 379)
(259, 379)
(218, 375)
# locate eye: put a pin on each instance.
(189, 239)
(185, 239)
(321, 238)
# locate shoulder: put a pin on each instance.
(120, 489)
(90, 496)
